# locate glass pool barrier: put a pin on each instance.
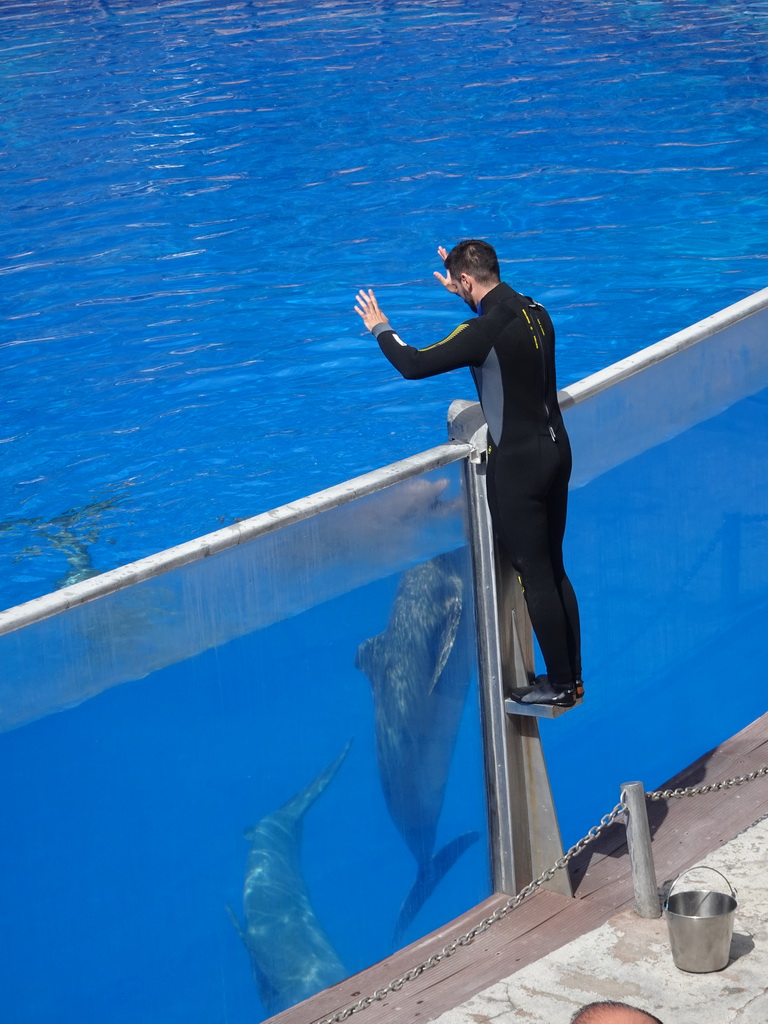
(296, 736)
(307, 762)
(668, 544)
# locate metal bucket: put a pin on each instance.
(700, 926)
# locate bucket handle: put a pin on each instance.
(697, 867)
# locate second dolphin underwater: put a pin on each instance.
(291, 955)
(420, 668)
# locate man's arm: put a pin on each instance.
(460, 348)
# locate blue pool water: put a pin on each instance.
(193, 191)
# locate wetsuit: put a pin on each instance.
(510, 348)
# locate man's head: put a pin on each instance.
(612, 1013)
(473, 268)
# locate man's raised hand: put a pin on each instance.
(445, 279)
(367, 307)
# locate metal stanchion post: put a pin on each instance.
(647, 902)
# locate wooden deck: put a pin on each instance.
(683, 831)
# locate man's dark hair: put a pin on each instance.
(476, 258)
(596, 1013)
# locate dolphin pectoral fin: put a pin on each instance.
(368, 654)
(238, 926)
(448, 634)
(363, 656)
(429, 877)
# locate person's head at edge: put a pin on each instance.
(473, 269)
(609, 1012)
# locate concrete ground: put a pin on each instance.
(629, 959)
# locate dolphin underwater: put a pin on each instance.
(419, 669)
(291, 956)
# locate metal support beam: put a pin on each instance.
(525, 836)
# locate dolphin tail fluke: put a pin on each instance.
(429, 877)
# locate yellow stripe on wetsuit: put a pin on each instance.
(533, 330)
(459, 329)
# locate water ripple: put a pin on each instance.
(194, 189)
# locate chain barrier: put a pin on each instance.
(465, 940)
(674, 794)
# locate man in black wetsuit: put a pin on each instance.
(510, 349)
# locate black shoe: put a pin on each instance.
(578, 685)
(543, 693)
